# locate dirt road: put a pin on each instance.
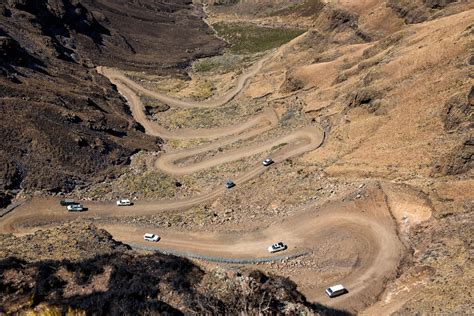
(369, 223)
(363, 228)
(115, 75)
(262, 122)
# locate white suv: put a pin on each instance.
(75, 208)
(124, 202)
(279, 246)
(151, 237)
(336, 290)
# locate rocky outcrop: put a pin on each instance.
(437, 4)
(458, 112)
(459, 161)
(291, 84)
(365, 97)
(417, 11)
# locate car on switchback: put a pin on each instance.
(279, 246)
(124, 202)
(336, 290)
(151, 237)
(75, 208)
(267, 162)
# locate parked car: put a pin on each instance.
(336, 290)
(75, 208)
(67, 202)
(229, 184)
(124, 202)
(151, 237)
(279, 246)
(267, 162)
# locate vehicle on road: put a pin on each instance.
(279, 246)
(336, 290)
(229, 184)
(124, 202)
(267, 162)
(75, 208)
(67, 202)
(151, 237)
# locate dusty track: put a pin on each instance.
(115, 75)
(370, 225)
(267, 120)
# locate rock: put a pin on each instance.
(458, 111)
(459, 161)
(365, 97)
(291, 84)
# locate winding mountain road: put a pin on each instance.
(373, 231)
(115, 75)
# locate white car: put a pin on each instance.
(75, 208)
(279, 246)
(336, 290)
(124, 202)
(151, 237)
(267, 162)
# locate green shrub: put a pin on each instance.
(246, 38)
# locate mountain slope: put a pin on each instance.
(62, 123)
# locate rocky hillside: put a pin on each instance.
(63, 125)
(392, 82)
(376, 71)
(79, 268)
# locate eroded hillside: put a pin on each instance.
(62, 124)
(392, 80)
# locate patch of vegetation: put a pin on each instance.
(198, 118)
(185, 143)
(304, 8)
(278, 146)
(246, 38)
(221, 64)
(203, 90)
(151, 184)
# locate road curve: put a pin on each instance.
(295, 144)
(371, 226)
(261, 122)
(115, 76)
(368, 222)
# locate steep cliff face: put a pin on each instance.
(63, 124)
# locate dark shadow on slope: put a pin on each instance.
(12, 54)
(124, 283)
(132, 285)
(58, 20)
